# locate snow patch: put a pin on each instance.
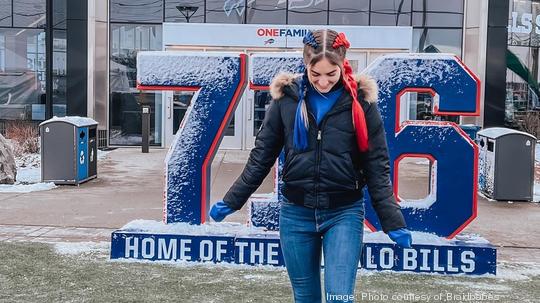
(101, 154)
(75, 120)
(208, 228)
(517, 271)
(26, 188)
(206, 265)
(425, 238)
(28, 176)
(77, 248)
(536, 195)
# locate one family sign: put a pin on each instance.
(219, 80)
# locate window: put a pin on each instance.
(5, 13)
(304, 12)
(438, 13)
(59, 14)
(149, 11)
(184, 11)
(29, 13)
(266, 12)
(436, 40)
(349, 12)
(22, 74)
(522, 91)
(391, 12)
(125, 100)
(231, 11)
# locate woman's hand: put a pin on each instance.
(220, 210)
(401, 236)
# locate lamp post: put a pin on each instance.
(187, 11)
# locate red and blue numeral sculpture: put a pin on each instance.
(219, 80)
(453, 156)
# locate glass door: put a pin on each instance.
(176, 104)
(256, 105)
(358, 61)
(233, 132)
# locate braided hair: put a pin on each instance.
(333, 46)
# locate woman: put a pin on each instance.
(329, 125)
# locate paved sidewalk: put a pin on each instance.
(130, 186)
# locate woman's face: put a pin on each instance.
(323, 75)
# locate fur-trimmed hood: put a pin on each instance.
(366, 85)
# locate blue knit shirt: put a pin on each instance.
(321, 103)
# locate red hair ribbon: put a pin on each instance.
(358, 117)
(341, 40)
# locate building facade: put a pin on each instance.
(92, 47)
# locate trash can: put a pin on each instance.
(471, 130)
(506, 164)
(68, 150)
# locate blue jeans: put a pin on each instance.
(339, 231)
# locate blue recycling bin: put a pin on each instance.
(68, 150)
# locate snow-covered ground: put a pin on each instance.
(29, 174)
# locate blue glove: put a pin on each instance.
(220, 210)
(401, 236)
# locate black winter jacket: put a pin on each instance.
(332, 171)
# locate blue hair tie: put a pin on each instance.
(309, 39)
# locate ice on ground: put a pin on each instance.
(77, 248)
(26, 188)
(536, 197)
(205, 264)
(517, 270)
(208, 228)
(101, 154)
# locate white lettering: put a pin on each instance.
(256, 253)
(409, 259)
(436, 266)
(425, 255)
(219, 249)
(185, 249)
(205, 250)
(167, 252)
(131, 248)
(526, 21)
(514, 28)
(451, 267)
(386, 264)
(467, 258)
(271, 253)
(241, 246)
(147, 247)
(370, 259)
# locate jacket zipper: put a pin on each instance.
(318, 166)
(319, 147)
